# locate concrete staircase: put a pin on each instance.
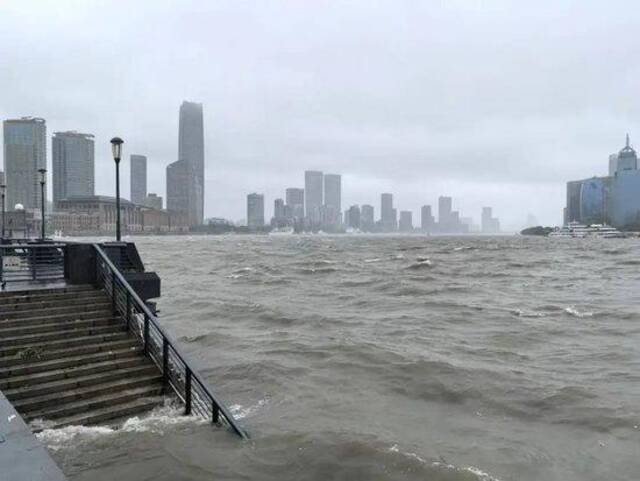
(66, 360)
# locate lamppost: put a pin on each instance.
(116, 147)
(3, 189)
(43, 179)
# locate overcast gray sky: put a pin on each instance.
(493, 102)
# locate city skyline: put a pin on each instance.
(377, 114)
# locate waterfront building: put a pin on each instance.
(154, 201)
(406, 221)
(388, 218)
(367, 218)
(489, 224)
(427, 220)
(138, 179)
(613, 199)
(85, 213)
(191, 151)
(353, 217)
(163, 221)
(24, 153)
(295, 203)
(444, 213)
(255, 211)
(178, 187)
(330, 214)
(73, 165)
(280, 218)
(313, 184)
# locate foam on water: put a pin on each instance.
(576, 313)
(240, 412)
(156, 421)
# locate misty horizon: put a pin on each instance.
(494, 106)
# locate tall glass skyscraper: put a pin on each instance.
(73, 162)
(24, 153)
(138, 179)
(313, 181)
(191, 151)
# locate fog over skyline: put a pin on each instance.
(493, 103)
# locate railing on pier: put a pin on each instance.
(28, 262)
(158, 345)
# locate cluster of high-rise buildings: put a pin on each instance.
(613, 199)
(318, 206)
(76, 207)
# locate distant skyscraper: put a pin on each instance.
(333, 191)
(153, 201)
(278, 209)
(25, 152)
(313, 181)
(627, 158)
(490, 225)
(178, 186)
(387, 213)
(613, 164)
(406, 222)
(295, 202)
(73, 163)
(444, 210)
(353, 217)
(138, 179)
(191, 150)
(255, 211)
(426, 219)
(367, 219)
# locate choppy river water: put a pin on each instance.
(401, 358)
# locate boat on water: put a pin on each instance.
(575, 229)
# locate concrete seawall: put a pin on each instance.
(22, 457)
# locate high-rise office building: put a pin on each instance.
(489, 224)
(333, 191)
(313, 183)
(406, 221)
(295, 202)
(138, 179)
(444, 210)
(426, 219)
(153, 201)
(278, 208)
(367, 220)
(178, 187)
(255, 211)
(388, 219)
(73, 165)
(25, 152)
(353, 217)
(191, 151)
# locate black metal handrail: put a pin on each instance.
(28, 262)
(160, 347)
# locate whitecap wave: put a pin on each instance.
(240, 412)
(571, 310)
(155, 421)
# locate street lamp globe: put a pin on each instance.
(43, 175)
(116, 147)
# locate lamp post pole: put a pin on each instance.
(116, 146)
(43, 178)
(3, 188)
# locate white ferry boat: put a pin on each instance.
(574, 229)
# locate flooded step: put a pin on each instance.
(19, 354)
(77, 288)
(57, 326)
(43, 339)
(38, 379)
(76, 357)
(98, 296)
(97, 400)
(37, 296)
(44, 319)
(20, 314)
(34, 393)
(118, 409)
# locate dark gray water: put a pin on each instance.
(404, 358)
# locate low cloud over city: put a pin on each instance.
(493, 103)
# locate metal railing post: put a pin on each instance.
(187, 391)
(33, 263)
(128, 311)
(215, 412)
(146, 334)
(113, 293)
(165, 363)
